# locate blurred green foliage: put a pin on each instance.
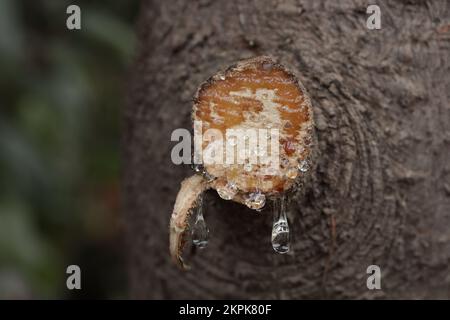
(60, 94)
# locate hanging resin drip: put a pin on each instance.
(280, 229)
(199, 229)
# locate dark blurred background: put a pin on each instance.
(60, 95)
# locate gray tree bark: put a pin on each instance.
(380, 190)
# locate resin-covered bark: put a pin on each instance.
(379, 192)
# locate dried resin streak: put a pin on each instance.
(262, 121)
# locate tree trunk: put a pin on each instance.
(380, 189)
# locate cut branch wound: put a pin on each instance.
(254, 94)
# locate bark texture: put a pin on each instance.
(380, 190)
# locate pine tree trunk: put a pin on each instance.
(380, 191)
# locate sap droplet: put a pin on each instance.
(303, 166)
(248, 167)
(228, 191)
(197, 168)
(200, 230)
(255, 200)
(222, 77)
(280, 229)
